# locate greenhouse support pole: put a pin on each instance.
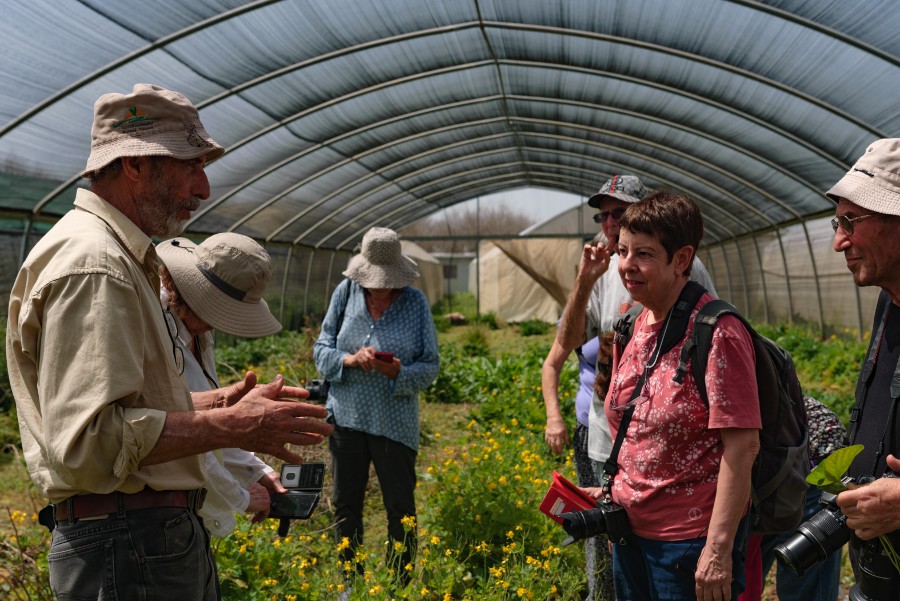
(284, 281)
(812, 259)
(737, 246)
(787, 277)
(762, 278)
(728, 275)
(477, 255)
(709, 264)
(309, 265)
(328, 278)
(26, 235)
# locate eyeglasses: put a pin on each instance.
(846, 223)
(177, 351)
(602, 216)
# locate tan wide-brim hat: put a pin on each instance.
(380, 263)
(222, 280)
(873, 183)
(151, 121)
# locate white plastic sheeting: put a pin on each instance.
(338, 115)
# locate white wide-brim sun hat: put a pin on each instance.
(222, 280)
(380, 263)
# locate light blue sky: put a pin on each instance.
(537, 203)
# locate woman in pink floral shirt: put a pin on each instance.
(684, 468)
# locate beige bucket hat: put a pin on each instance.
(222, 280)
(380, 263)
(151, 121)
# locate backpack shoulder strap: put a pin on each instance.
(678, 322)
(681, 315)
(701, 341)
(624, 326)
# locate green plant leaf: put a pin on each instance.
(827, 475)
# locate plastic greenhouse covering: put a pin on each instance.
(338, 115)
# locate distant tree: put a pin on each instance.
(498, 220)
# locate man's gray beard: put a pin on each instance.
(158, 209)
(159, 222)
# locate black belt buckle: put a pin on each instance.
(47, 517)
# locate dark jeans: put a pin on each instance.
(653, 570)
(149, 554)
(395, 466)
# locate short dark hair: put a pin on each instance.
(673, 218)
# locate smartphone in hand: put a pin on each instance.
(386, 357)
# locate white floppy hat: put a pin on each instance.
(222, 280)
(380, 263)
(151, 121)
(874, 181)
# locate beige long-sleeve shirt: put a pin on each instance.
(91, 361)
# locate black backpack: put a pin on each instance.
(778, 487)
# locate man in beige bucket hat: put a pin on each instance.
(111, 434)
(867, 230)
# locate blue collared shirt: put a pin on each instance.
(367, 400)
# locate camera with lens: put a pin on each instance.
(826, 532)
(607, 518)
(816, 538)
(318, 390)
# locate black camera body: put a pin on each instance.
(607, 518)
(826, 532)
(304, 484)
(318, 390)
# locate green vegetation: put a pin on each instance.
(464, 303)
(483, 471)
(534, 327)
(827, 368)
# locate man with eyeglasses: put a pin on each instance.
(599, 297)
(867, 230)
(111, 434)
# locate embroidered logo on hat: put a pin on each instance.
(137, 116)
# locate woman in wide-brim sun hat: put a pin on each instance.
(378, 349)
(218, 285)
(222, 280)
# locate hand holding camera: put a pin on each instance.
(827, 531)
(304, 485)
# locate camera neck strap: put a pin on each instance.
(611, 465)
(864, 385)
(673, 331)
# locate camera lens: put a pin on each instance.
(583, 524)
(814, 540)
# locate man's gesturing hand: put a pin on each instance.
(265, 419)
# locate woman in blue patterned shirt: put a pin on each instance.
(378, 349)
